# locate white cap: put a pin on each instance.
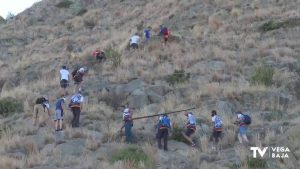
(126, 110)
(81, 70)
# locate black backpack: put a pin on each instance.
(246, 119)
(40, 100)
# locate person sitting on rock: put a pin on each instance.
(190, 127)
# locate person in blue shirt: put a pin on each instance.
(59, 110)
(164, 125)
(147, 33)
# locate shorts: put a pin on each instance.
(58, 115)
(189, 132)
(216, 135)
(64, 83)
(134, 45)
(243, 130)
(77, 80)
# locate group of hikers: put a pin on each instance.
(75, 104)
(164, 128)
(164, 32)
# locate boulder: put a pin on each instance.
(129, 87)
(72, 147)
(154, 97)
(138, 99)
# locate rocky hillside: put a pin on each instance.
(226, 55)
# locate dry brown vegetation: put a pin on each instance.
(221, 43)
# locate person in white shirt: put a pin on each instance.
(64, 78)
(134, 41)
(190, 127)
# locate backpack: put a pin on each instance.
(165, 122)
(246, 119)
(218, 122)
(75, 100)
(40, 100)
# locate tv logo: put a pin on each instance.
(273, 152)
(257, 149)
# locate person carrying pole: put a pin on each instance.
(128, 124)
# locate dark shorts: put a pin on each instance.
(134, 46)
(63, 83)
(189, 132)
(77, 79)
(216, 135)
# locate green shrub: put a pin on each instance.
(81, 12)
(9, 106)
(179, 76)
(64, 4)
(263, 75)
(113, 55)
(133, 154)
(177, 134)
(271, 25)
(256, 163)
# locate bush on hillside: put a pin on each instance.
(177, 134)
(9, 106)
(133, 154)
(113, 55)
(179, 76)
(272, 25)
(81, 12)
(256, 163)
(263, 75)
(64, 4)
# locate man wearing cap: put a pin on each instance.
(128, 123)
(76, 106)
(59, 113)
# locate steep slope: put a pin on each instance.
(240, 55)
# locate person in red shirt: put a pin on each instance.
(99, 55)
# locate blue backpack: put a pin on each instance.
(165, 122)
(246, 119)
(218, 122)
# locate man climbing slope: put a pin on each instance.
(164, 125)
(64, 78)
(41, 105)
(128, 124)
(59, 111)
(76, 105)
(190, 127)
(77, 75)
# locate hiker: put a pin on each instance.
(59, 113)
(64, 78)
(165, 33)
(77, 75)
(41, 104)
(128, 124)
(163, 126)
(76, 105)
(217, 126)
(147, 33)
(99, 55)
(243, 121)
(134, 41)
(190, 127)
